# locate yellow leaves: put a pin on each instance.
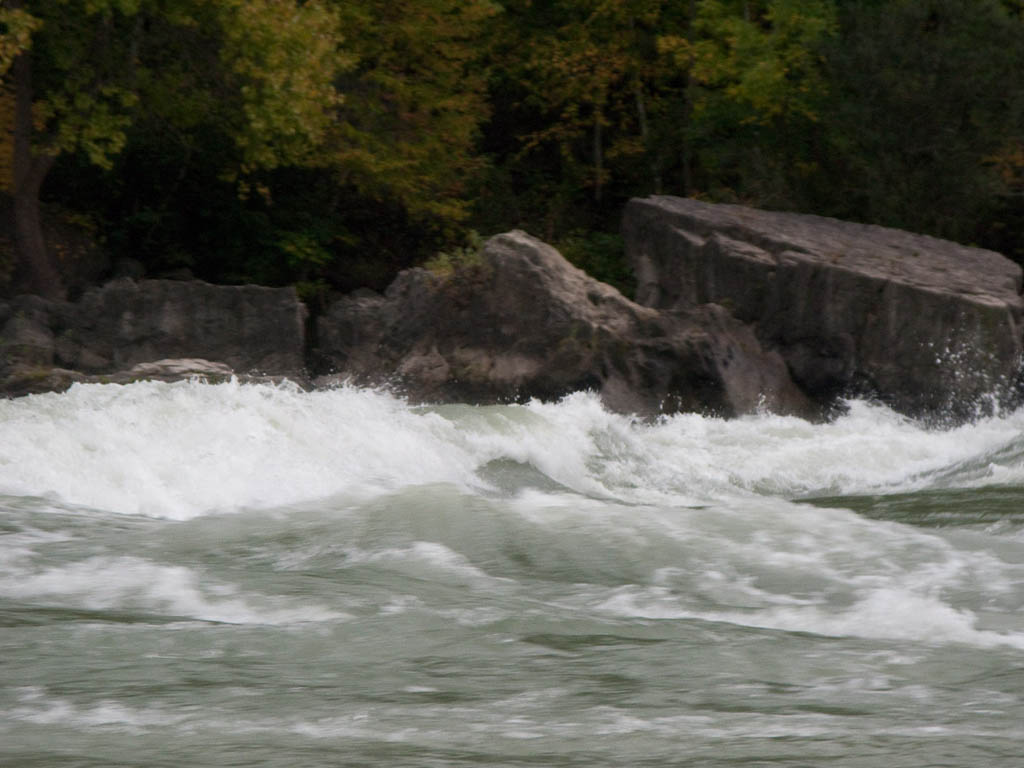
(16, 28)
(92, 120)
(408, 129)
(287, 56)
(678, 48)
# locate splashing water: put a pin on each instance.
(247, 573)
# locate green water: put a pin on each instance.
(525, 586)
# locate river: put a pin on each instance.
(252, 575)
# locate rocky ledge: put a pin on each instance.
(926, 325)
(738, 310)
(150, 329)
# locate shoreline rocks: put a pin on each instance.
(523, 322)
(926, 325)
(738, 310)
(120, 331)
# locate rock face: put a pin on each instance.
(738, 310)
(523, 322)
(46, 345)
(250, 328)
(926, 324)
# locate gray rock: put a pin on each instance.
(249, 328)
(175, 369)
(154, 329)
(524, 323)
(928, 325)
(19, 380)
(26, 340)
(178, 369)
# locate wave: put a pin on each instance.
(186, 449)
(132, 584)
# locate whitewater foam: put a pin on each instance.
(135, 584)
(187, 449)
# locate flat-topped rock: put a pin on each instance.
(524, 322)
(250, 328)
(926, 324)
(151, 329)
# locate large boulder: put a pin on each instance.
(25, 335)
(929, 326)
(250, 328)
(152, 329)
(522, 322)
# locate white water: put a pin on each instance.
(350, 514)
(183, 450)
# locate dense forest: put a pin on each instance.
(330, 143)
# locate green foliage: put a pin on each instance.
(601, 255)
(414, 102)
(467, 256)
(756, 91)
(285, 58)
(580, 90)
(16, 29)
(630, 97)
(927, 101)
(268, 68)
(331, 143)
(761, 56)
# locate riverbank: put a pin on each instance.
(738, 310)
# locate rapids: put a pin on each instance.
(230, 574)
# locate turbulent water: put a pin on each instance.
(198, 575)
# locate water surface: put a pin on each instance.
(255, 576)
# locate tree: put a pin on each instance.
(83, 70)
(415, 100)
(926, 95)
(582, 102)
(756, 90)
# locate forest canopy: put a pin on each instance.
(330, 143)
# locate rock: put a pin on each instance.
(176, 369)
(28, 348)
(26, 340)
(27, 343)
(524, 323)
(929, 326)
(249, 328)
(154, 329)
(20, 380)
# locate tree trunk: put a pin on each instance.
(34, 261)
(645, 135)
(688, 103)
